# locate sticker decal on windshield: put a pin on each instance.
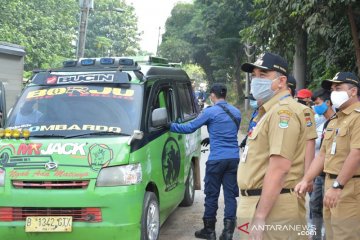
(65, 127)
(82, 78)
(82, 91)
(51, 80)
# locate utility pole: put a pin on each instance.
(85, 6)
(250, 52)
(158, 43)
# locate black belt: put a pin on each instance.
(333, 176)
(257, 192)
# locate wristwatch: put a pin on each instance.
(337, 185)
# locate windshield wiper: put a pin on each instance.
(97, 134)
(48, 136)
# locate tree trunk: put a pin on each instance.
(237, 77)
(300, 58)
(355, 37)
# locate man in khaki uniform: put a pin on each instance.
(273, 160)
(339, 157)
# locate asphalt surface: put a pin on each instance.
(184, 221)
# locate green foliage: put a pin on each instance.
(45, 28)
(206, 33)
(330, 47)
(195, 72)
(110, 32)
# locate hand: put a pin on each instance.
(302, 188)
(310, 187)
(257, 232)
(332, 197)
(205, 142)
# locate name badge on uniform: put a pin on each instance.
(333, 145)
(244, 154)
(333, 148)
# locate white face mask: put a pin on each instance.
(338, 98)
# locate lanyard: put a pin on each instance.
(283, 97)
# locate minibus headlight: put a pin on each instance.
(120, 175)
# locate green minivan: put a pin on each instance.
(85, 153)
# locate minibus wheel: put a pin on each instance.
(150, 219)
(189, 188)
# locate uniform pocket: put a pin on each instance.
(343, 138)
(253, 134)
(328, 134)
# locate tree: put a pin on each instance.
(45, 28)
(317, 33)
(196, 73)
(208, 34)
(110, 32)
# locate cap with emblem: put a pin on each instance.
(267, 61)
(341, 77)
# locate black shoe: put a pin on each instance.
(208, 232)
(229, 227)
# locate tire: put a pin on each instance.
(150, 218)
(189, 188)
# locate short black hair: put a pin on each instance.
(355, 86)
(321, 93)
(219, 89)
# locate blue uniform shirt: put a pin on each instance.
(222, 130)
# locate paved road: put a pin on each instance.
(184, 221)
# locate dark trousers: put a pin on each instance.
(316, 205)
(221, 172)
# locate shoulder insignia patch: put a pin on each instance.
(307, 114)
(284, 121)
(308, 122)
(285, 112)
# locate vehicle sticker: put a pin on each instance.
(82, 91)
(99, 156)
(65, 149)
(51, 80)
(64, 127)
(171, 163)
(29, 149)
(59, 148)
(16, 174)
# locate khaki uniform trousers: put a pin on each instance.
(285, 221)
(343, 221)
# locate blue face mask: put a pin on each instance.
(253, 104)
(321, 109)
(261, 89)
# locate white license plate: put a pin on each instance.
(48, 224)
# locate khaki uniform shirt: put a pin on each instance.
(283, 127)
(342, 134)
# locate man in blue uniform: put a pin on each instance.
(223, 121)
